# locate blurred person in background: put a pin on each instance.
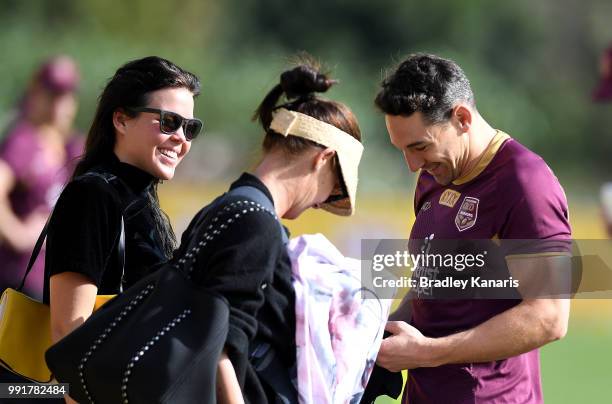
(474, 183)
(606, 207)
(36, 159)
(603, 93)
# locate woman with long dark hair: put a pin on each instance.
(107, 230)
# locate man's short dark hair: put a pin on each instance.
(424, 83)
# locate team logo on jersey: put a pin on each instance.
(449, 198)
(468, 213)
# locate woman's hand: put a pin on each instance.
(228, 389)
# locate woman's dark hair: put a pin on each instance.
(298, 86)
(425, 83)
(130, 88)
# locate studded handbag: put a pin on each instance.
(157, 342)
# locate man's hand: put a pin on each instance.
(406, 348)
(525, 327)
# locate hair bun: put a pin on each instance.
(304, 80)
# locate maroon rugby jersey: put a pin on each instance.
(510, 194)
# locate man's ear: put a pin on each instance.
(462, 116)
(120, 119)
(323, 157)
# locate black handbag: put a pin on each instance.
(157, 342)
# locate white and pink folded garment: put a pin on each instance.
(339, 323)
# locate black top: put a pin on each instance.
(248, 264)
(85, 226)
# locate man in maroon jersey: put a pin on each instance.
(475, 183)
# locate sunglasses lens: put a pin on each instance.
(339, 192)
(335, 198)
(170, 122)
(193, 129)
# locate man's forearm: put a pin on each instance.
(529, 325)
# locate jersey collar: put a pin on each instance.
(497, 141)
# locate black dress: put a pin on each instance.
(85, 226)
(248, 264)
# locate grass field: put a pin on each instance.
(577, 369)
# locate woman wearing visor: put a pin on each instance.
(311, 153)
(107, 229)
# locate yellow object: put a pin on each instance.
(25, 334)
(388, 400)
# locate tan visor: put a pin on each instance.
(348, 149)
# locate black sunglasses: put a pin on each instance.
(170, 122)
(340, 193)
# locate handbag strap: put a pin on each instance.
(43, 236)
(37, 248)
(258, 196)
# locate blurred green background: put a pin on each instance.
(533, 65)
